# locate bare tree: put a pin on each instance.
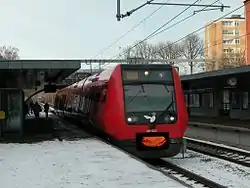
(193, 47)
(126, 53)
(168, 50)
(9, 53)
(142, 50)
(208, 65)
(232, 59)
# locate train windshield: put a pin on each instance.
(149, 97)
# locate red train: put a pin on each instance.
(141, 107)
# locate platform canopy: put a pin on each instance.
(218, 79)
(28, 74)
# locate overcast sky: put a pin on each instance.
(82, 28)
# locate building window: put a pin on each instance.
(236, 100)
(237, 41)
(238, 50)
(227, 41)
(227, 23)
(227, 32)
(237, 24)
(228, 50)
(237, 32)
(207, 100)
(245, 100)
(194, 100)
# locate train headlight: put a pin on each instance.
(170, 119)
(132, 119)
(146, 73)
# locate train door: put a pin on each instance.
(101, 105)
(95, 98)
(87, 100)
(75, 103)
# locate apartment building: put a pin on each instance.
(223, 37)
(247, 14)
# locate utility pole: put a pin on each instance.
(191, 64)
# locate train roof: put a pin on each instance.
(146, 66)
(106, 73)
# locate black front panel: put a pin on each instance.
(141, 147)
(147, 75)
(148, 90)
(144, 100)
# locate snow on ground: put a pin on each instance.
(218, 170)
(220, 145)
(84, 163)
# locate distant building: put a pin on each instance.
(223, 37)
(247, 15)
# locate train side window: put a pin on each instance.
(104, 95)
(92, 96)
(88, 102)
(97, 96)
(82, 103)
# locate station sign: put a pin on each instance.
(2, 115)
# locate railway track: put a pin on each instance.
(182, 175)
(226, 153)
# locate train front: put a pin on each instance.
(154, 109)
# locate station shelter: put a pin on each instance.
(223, 93)
(17, 75)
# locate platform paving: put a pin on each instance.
(221, 121)
(42, 129)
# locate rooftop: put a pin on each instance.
(217, 73)
(27, 74)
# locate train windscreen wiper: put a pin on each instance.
(167, 108)
(141, 90)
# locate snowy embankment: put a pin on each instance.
(84, 163)
(218, 170)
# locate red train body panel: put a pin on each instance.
(121, 102)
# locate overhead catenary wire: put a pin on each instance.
(203, 27)
(182, 20)
(162, 26)
(218, 42)
(199, 29)
(157, 33)
(130, 30)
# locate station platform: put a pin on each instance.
(221, 121)
(42, 129)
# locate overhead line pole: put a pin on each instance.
(150, 2)
(195, 5)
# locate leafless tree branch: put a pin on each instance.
(9, 53)
(193, 47)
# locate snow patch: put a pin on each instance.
(83, 163)
(218, 170)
